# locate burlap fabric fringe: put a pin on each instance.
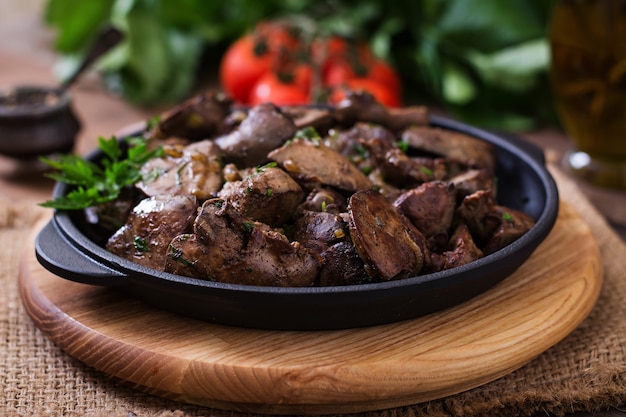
(584, 372)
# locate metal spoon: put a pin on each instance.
(106, 39)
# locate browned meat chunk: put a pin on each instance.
(270, 259)
(265, 129)
(318, 230)
(186, 256)
(462, 251)
(430, 207)
(198, 118)
(324, 199)
(382, 238)
(153, 223)
(473, 180)
(314, 163)
(342, 266)
(348, 142)
(361, 106)
(399, 169)
(475, 211)
(108, 217)
(492, 226)
(229, 248)
(455, 146)
(321, 119)
(512, 225)
(268, 195)
(193, 170)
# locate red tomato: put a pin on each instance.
(342, 71)
(327, 48)
(338, 72)
(382, 72)
(301, 76)
(270, 88)
(382, 93)
(339, 52)
(242, 66)
(278, 36)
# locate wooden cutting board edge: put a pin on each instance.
(344, 371)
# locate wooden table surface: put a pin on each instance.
(27, 57)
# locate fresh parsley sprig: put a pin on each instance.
(95, 184)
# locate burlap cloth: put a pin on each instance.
(584, 372)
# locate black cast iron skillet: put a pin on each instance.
(64, 247)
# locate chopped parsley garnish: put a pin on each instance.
(153, 122)
(177, 255)
(403, 146)
(247, 227)
(308, 133)
(268, 165)
(96, 184)
(140, 244)
(426, 171)
(507, 216)
(179, 180)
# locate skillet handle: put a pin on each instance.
(58, 256)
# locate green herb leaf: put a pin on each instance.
(140, 244)
(99, 184)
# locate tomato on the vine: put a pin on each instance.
(243, 64)
(382, 93)
(253, 55)
(377, 70)
(270, 88)
(277, 63)
(381, 71)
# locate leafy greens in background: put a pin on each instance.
(485, 61)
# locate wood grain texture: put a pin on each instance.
(338, 371)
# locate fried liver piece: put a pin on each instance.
(319, 118)
(430, 207)
(264, 129)
(318, 230)
(455, 146)
(462, 249)
(512, 225)
(348, 142)
(472, 180)
(401, 170)
(324, 199)
(382, 238)
(312, 162)
(475, 211)
(227, 247)
(492, 226)
(268, 195)
(191, 170)
(363, 107)
(342, 266)
(152, 224)
(197, 118)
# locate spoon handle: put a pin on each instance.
(106, 39)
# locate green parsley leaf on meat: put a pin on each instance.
(96, 184)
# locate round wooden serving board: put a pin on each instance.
(339, 371)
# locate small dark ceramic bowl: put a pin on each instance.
(65, 248)
(36, 121)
